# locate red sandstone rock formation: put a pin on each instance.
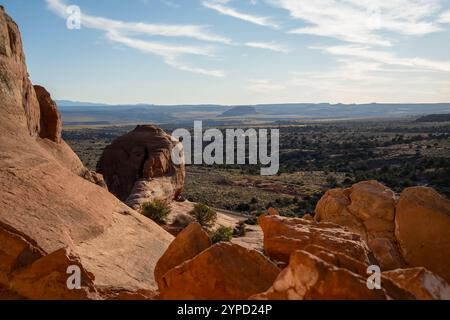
(224, 271)
(367, 208)
(138, 166)
(47, 209)
(423, 229)
(282, 236)
(189, 243)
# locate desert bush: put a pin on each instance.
(223, 234)
(252, 221)
(157, 210)
(204, 215)
(240, 230)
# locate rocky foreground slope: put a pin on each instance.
(52, 214)
(55, 214)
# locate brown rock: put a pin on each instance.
(225, 271)
(46, 206)
(423, 284)
(282, 236)
(51, 125)
(423, 229)
(367, 208)
(189, 243)
(310, 278)
(46, 278)
(138, 166)
(338, 259)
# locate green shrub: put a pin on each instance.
(240, 230)
(253, 221)
(223, 234)
(204, 215)
(157, 210)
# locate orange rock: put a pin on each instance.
(273, 212)
(189, 243)
(46, 205)
(138, 166)
(420, 282)
(367, 208)
(225, 271)
(423, 229)
(282, 236)
(51, 124)
(338, 259)
(46, 278)
(310, 278)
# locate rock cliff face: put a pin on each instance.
(46, 206)
(138, 166)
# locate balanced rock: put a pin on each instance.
(138, 167)
(283, 236)
(189, 243)
(367, 208)
(224, 271)
(423, 229)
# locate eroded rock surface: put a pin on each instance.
(367, 208)
(46, 206)
(283, 236)
(138, 167)
(423, 229)
(224, 271)
(189, 243)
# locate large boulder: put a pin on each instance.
(47, 206)
(367, 208)
(189, 243)
(51, 124)
(138, 167)
(310, 278)
(420, 282)
(423, 229)
(283, 236)
(225, 271)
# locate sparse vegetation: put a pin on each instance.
(313, 158)
(204, 215)
(240, 230)
(223, 234)
(157, 210)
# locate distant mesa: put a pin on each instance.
(240, 111)
(435, 118)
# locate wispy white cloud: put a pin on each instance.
(361, 21)
(268, 46)
(221, 7)
(386, 58)
(445, 17)
(125, 33)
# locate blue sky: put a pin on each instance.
(239, 51)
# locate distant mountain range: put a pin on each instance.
(79, 113)
(240, 111)
(435, 118)
(68, 103)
